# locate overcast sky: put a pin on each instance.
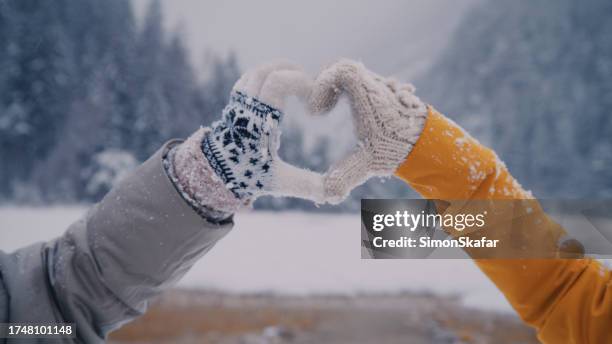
(392, 37)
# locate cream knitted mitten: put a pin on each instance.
(388, 118)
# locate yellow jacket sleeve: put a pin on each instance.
(566, 300)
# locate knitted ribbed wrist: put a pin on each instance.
(392, 139)
(392, 148)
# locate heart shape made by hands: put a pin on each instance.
(387, 116)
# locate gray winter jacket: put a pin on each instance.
(138, 241)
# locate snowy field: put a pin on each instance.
(288, 252)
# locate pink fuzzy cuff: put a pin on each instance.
(197, 181)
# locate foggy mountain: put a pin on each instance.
(534, 81)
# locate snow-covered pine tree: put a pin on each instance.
(34, 84)
(82, 79)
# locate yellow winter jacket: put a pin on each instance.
(566, 300)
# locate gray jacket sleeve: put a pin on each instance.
(139, 240)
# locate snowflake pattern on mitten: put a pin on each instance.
(239, 146)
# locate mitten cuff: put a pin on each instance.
(393, 146)
(197, 181)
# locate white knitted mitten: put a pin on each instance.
(242, 147)
(388, 118)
